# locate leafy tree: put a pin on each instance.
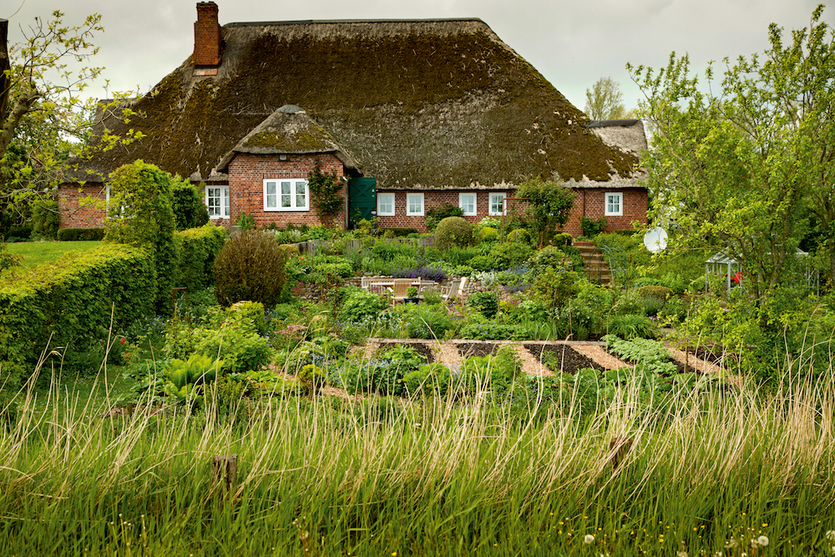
(742, 164)
(604, 101)
(43, 119)
(548, 207)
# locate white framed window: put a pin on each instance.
(414, 204)
(467, 203)
(286, 195)
(217, 201)
(385, 204)
(497, 203)
(613, 204)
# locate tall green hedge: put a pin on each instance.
(74, 299)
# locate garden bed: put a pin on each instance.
(421, 348)
(570, 360)
(481, 349)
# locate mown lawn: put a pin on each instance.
(39, 253)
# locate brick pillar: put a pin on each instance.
(206, 35)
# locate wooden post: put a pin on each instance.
(225, 469)
(620, 447)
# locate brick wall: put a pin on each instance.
(588, 203)
(206, 35)
(246, 187)
(72, 214)
(432, 200)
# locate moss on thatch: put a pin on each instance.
(432, 104)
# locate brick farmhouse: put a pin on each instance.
(410, 114)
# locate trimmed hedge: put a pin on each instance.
(198, 248)
(73, 300)
(80, 234)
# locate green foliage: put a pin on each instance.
(428, 380)
(64, 304)
(140, 215)
(482, 329)
(453, 231)
(384, 373)
(495, 374)
(554, 288)
(647, 355)
(198, 248)
(245, 221)
(631, 326)
(250, 267)
(436, 214)
(45, 220)
(518, 236)
(744, 162)
(548, 207)
(488, 234)
(592, 227)
(604, 101)
(237, 344)
(427, 321)
(197, 369)
(80, 234)
(361, 305)
(324, 191)
(188, 206)
(7, 259)
(312, 378)
(486, 303)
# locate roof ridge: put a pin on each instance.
(341, 21)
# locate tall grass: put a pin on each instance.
(377, 477)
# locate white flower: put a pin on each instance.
(682, 554)
(830, 535)
(762, 541)
(588, 540)
(730, 544)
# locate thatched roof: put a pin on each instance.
(417, 104)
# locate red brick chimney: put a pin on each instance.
(206, 35)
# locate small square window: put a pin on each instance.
(385, 204)
(414, 204)
(613, 204)
(497, 203)
(467, 203)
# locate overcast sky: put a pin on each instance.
(572, 43)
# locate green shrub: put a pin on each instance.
(453, 231)
(488, 234)
(519, 236)
(312, 378)
(140, 214)
(658, 292)
(395, 232)
(198, 248)
(429, 379)
(435, 215)
(427, 322)
(248, 314)
(384, 372)
(592, 227)
(45, 220)
(563, 239)
(197, 369)
(250, 267)
(80, 234)
(66, 304)
(631, 326)
(486, 303)
(187, 202)
(361, 305)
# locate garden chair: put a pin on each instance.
(451, 289)
(400, 287)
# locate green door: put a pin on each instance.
(362, 200)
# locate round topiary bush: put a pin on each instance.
(519, 235)
(488, 234)
(250, 267)
(453, 231)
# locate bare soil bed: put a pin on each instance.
(570, 360)
(481, 349)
